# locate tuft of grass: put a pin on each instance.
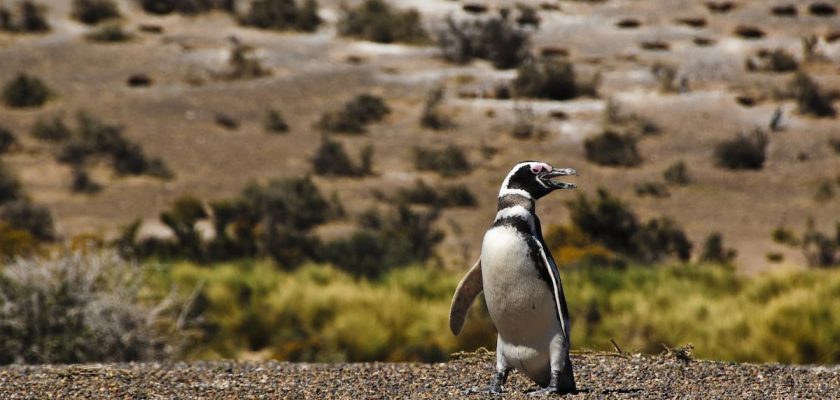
(26, 91)
(745, 151)
(612, 149)
(274, 122)
(677, 174)
(51, 129)
(332, 160)
(809, 97)
(377, 21)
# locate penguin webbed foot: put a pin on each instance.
(495, 387)
(492, 389)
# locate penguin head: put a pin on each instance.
(534, 179)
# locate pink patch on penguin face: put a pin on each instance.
(540, 167)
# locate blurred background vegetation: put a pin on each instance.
(306, 181)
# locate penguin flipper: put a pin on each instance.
(557, 286)
(468, 289)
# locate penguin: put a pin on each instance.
(521, 285)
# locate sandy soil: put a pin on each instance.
(174, 119)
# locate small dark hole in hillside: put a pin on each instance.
(655, 45)
(628, 23)
(703, 41)
(474, 8)
(821, 9)
(745, 101)
(554, 52)
(694, 22)
(139, 80)
(832, 36)
(784, 10)
(720, 7)
(226, 121)
(150, 28)
(749, 32)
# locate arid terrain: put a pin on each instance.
(175, 117)
(599, 376)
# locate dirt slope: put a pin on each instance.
(599, 376)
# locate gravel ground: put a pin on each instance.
(599, 376)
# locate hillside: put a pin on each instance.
(177, 117)
(599, 376)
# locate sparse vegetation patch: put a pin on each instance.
(30, 18)
(745, 151)
(377, 21)
(810, 99)
(554, 79)
(283, 15)
(498, 40)
(448, 161)
(612, 149)
(92, 12)
(355, 115)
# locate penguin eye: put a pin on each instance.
(536, 169)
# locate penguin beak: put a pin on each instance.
(556, 172)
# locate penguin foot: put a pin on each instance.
(545, 391)
(492, 389)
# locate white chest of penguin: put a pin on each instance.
(520, 303)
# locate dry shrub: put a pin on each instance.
(92, 12)
(82, 308)
(745, 151)
(377, 21)
(26, 91)
(612, 149)
(498, 40)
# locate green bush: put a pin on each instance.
(396, 239)
(551, 78)
(714, 251)
(274, 122)
(10, 189)
(609, 222)
(377, 21)
(809, 97)
(743, 152)
(496, 39)
(26, 91)
(283, 15)
(332, 160)
(612, 149)
(317, 313)
(80, 309)
(677, 174)
(355, 115)
(109, 33)
(82, 182)
(92, 12)
(33, 218)
(448, 162)
(7, 139)
(51, 129)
